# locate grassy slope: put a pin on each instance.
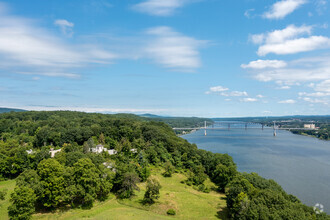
(9, 185)
(188, 203)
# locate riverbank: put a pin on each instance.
(300, 164)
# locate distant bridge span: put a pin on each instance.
(229, 127)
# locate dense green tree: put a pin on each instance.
(197, 176)
(22, 203)
(129, 185)
(87, 180)
(223, 175)
(52, 181)
(101, 139)
(30, 179)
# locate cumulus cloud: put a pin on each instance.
(283, 8)
(159, 7)
(223, 91)
(65, 26)
(218, 89)
(312, 69)
(263, 64)
(288, 101)
(279, 36)
(173, 50)
(249, 100)
(289, 41)
(295, 46)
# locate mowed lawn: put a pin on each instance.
(9, 185)
(188, 203)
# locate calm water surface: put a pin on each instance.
(300, 164)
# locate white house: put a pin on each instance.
(98, 149)
(133, 150)
(310, 126)
(112, 151)
(53, 152)
(108, 165)
(29, 151)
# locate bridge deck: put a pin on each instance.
(226, 128)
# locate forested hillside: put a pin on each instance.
(95, 154)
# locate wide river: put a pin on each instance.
(300, 164)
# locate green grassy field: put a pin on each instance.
(9, 185)
(188, 203)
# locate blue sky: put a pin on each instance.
(210, 58)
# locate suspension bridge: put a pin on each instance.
(241, 125)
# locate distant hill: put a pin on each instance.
(151, 116)
(3, 110)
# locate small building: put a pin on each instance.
(112, 151)
(53, 152)
(108, 165)
(98, 149)
(309, 126)
(29, 151)
(133, 150)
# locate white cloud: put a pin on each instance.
(262, 64)
(287, 41)
(316, 101)
(27, 48)
(279, 36)
(257, 38)
(284, 87)
(311, 70)
(260, 96)
(223, 91)
(159, 7)
(314, 94)
(290, 32)
(323, 86)
(218, 89)
(295, 46)
(248, 100)
(235, 93)
(283, 8)
(248, 12)
(173, 50)
(321, 6)
(65, 26)
(288, 101)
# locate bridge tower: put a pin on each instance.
(246, 126)
(274, 129)
(205, 128)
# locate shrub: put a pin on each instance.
(171, 212)
(169, 169)
(152, 192)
